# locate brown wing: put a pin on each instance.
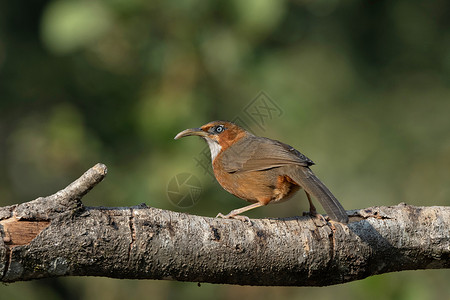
(258, 153)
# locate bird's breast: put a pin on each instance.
(256, 186)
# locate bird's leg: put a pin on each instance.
(312, 209)
(234, 213)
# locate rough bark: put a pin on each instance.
(58, 236)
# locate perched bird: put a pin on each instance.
(261, 170)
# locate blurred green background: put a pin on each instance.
(361, 87)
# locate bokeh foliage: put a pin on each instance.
(364, 89)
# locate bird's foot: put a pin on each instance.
(320, 217)
(237, 217)
(315, 215)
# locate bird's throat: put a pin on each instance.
(214, 147)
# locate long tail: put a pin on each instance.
(304, 177)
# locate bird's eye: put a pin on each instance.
(219, 129)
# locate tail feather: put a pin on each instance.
(304, 177)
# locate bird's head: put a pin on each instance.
(218, 134)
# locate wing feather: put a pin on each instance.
(258, 153)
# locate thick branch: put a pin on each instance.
(58, 236)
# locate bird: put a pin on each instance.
(261, 170)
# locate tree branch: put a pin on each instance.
(58, 236)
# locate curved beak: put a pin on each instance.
(191, 131)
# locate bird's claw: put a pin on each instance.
(320, 217)
(237, 217)
(315, 215)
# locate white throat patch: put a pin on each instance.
(214, 148)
